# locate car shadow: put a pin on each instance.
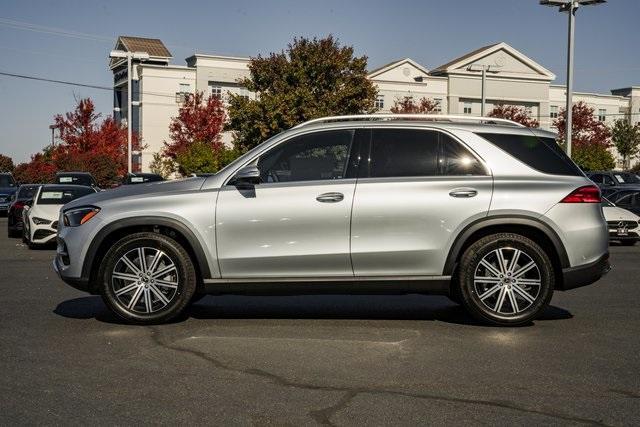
(347, 307)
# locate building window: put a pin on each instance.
(216, 90)
(438, 102)
(553, 112)
(602, 114)
(379, 103)
(467, 108)
(184, 89)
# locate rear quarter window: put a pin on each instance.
(540, 153)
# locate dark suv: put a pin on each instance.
(614, 179)
(23, 197)
(7, 190)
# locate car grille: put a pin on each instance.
(54, 225)
(41, 234)
(629, 225)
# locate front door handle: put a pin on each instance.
(330, 197)
(463, 192)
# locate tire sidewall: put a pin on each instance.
(184, 267)
(476, 252)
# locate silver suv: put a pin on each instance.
(488, 212)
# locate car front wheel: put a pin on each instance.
(147, 278)
(506, 279)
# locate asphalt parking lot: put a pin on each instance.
(340, 360)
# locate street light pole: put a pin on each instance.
(130, 56)
(484, 69)
(571, 7)
(569, 105)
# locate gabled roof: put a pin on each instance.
(457, 64)
(154, 47)
(391, 65)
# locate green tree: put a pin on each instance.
(626, 139)
(311, 79)
(199, 157)
(592, 157)
(162, 165)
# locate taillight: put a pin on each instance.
(18, 205)
(586, 194)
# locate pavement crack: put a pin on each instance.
(323, 416)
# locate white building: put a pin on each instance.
(512, 78)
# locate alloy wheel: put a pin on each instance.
(145, 280)
(507, 281)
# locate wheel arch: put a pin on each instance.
(529, 227)
(167, 226)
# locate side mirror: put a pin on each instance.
(248, 175)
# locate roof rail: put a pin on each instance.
(424, 117)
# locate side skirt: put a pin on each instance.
(382, 285)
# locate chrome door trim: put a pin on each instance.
(325, 279)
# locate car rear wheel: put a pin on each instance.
(506, 279)
(147, 278)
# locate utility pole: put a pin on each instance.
(571, 7)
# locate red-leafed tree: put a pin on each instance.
(87, 144)
(40, 170)
(199, 120)
(407, 105)
(590, 138)
(6, 163)
(514, 113)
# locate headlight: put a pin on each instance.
(40, 221)
(76, 217)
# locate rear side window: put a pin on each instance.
(415, 152)
(403, 152)
(542, 154)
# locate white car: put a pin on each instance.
(624, 225)
(40, 215)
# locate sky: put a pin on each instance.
(70, 40)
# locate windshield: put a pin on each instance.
(61, 195)
(627, 178)
(7, 181)
(74, 179)
(27, 191)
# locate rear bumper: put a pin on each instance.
(584, 275)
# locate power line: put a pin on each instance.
(170, 95)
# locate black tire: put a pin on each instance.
(627, 242)
(521, 310)
(12, 233)
(178, 297)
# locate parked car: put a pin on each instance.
(7, 190)
(627, 199)
(494, 215)
(40, 215)
(76, 178)
(24, 194)
(141, 178)
(614, 179)
(624, 226)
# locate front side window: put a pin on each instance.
(311, 157)
(61, 196)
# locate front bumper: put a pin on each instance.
(80, 283)
(584, 275)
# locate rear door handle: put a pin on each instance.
(330, 197)
(463, 192)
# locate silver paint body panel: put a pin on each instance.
(383, 228)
